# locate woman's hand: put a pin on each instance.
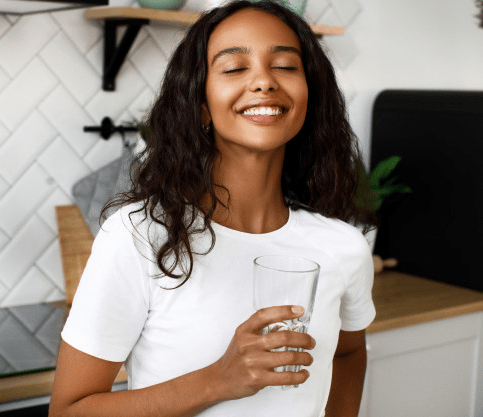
(248, 364)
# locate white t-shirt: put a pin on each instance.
(121, 313)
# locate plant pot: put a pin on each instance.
(162, 4)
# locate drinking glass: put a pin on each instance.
(285, 280)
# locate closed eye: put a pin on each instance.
(234, 70)
(287, 68)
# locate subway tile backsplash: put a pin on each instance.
(50, 88)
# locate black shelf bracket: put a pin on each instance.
(115, 54)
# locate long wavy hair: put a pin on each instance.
(322, 168)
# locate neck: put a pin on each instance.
(255, 201)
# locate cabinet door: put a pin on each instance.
(431, 369)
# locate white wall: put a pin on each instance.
(413, 44)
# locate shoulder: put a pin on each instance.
(133, 225)
(322, 229)
(343, 242)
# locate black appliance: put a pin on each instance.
(437, 231)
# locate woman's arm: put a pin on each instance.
(83, 382)
(349, 368)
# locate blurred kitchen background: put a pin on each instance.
(50, 88)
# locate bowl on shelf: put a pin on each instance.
(297, 6)
(162, 4)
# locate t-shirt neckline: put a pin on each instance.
(218, 228)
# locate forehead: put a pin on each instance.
(251, 27)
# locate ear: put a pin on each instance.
(205, 115)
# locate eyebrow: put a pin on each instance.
(246, 51)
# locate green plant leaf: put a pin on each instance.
(392, 189)
(382, 170)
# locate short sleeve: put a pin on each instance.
(111, 303)
(357, 309)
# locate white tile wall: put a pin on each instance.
(23, 250)
(70, 67)
(23, 146)
(4, 79)
(68, 117)
(83, 33)
(23, 94)
(32, 32)
(50, 87)
(22, 199)
(143, 59)
(63, 164)
(4, 25)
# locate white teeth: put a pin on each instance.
(263, 111)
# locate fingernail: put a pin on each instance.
(299, 310)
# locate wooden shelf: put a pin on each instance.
(134, 18)
(168, 17)
(175, 18)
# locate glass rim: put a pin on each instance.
(315, 268)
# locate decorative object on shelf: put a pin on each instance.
(298, 6)
(162, 4)
(479, 4)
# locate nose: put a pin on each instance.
(263, 81)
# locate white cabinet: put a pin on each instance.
(430, 369)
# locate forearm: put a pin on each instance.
(83, 382)
(347, 383)
(184, 396)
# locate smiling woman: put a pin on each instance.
(248, 153)
(256, 92)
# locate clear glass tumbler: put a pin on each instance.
(285, 280)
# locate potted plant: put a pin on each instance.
(383, 185)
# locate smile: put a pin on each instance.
(263, 111)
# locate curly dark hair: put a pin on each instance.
(322, 168)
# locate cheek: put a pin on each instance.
(218, 92)
(302, 99)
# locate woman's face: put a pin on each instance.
(256, 92)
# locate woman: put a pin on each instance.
(249, 153)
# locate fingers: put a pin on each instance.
(287, 338)
(288, 378)
(289, 357)
(266, 316)
(263, 367)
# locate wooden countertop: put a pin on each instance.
(404, 300)
(400, 299)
